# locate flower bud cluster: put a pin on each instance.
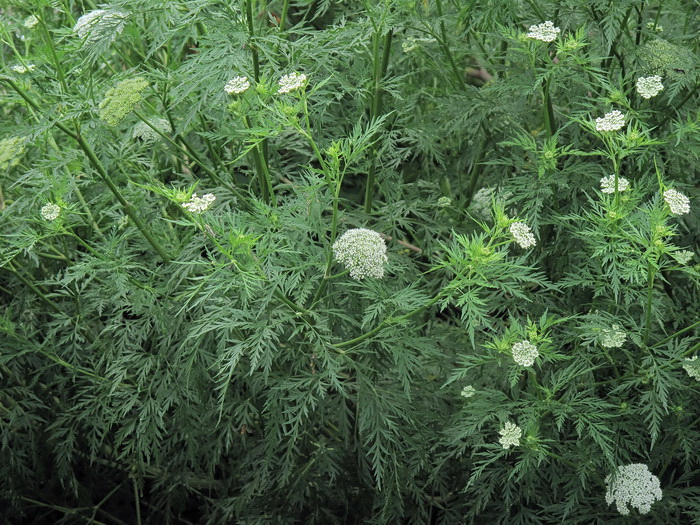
(199, 204)
(147, 134)
(291, 82)
(607, 184)
(95, 25)
(613, 337)
(50, 211)
(120, 100)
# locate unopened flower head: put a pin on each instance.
(692, 366)
(678, 203)
(147, 134)
(649, 87)
(522, 235)
(468, 391)
(612, 121)
(362, 251)
(683, 256)
(291, 82)
(11, 151)
(409, 44)
(607, 184)
(122, 99)
(545, 32)
(237, 85)
(524, 353)
(199, 204)
(50, 211)
(633, 486)
(613, 337)
(510, 435)
(30, 22)
(100, 24)
(23, 68)
(653, 26)
(444, 202)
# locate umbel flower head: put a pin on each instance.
(692, 367)
(522, 235)
(524, 353)
(613, 337)
(546, 32)
(633, 486)
(22, 68)
(291, 82)
(683, 256)
(199, 204)
(30, 22)
(468, 391)
(100, 24)
(607, 184)
(362, 251)
(237, 85)
(612, 121)
(678, 203)
(510, 435)
(50, 211)
(147, 134)
(11, 151)
(649, 87)
(122, 99)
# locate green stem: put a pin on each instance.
(650, 290)
(676, 334)
(283, 18)
(263, 173)
(548, 109)
(458, 76)
(251, 34)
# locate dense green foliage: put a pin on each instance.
(167, 357)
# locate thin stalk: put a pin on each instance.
(262, 170)
(137, 503)
(283, 18)
(548, 109)
(650, 290)
(676, 334)
(446, 49)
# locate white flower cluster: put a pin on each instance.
(199, 204)
(522, 235)
(677, 202)
(613, 337)
(31, 21)
(524, 353)
(610, 122)
(607, 184)
(237, 85)
(692, 367)
(50, 211)
(92, 26)
(362, 251)
(468, 391)
(147, 134)
(683, 256)
(21, 68)
(291, 82)
(545, 32)
(654, 27)
(510, 435)
(649, 86)
(633, 485)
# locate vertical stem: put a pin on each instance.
(262, 170)
(548, 109)
(650, 290)
(283, 18)
(446, 49)
(137, 503)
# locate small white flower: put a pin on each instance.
(199, 204)
(147, 134)
(409, 44)
(522, 235)
(50, 211)
(692, 367)
(93, 26)
(612, 121)
(607, 184)
(510, 435)
(654, 27)
(683, 256)
(545, 32)
(633, 486)
(524, 353)
(613, 337)
(21, 68)
(649, 86)
(362, 251)
(237, 85)
(31, 21)
(468, 391)
(291, 82)
(677, 202)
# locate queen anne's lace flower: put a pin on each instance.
(50, 211)
(613, 337)
(362, 251)
(522, 235)
(468, 391)
(692, 367)
(633, 486)
(291, 82)
(545, 32)
(510, 435)
(95, 25)
(11, 151)
(683, 256)
(199, 204)
(237, 85)
(677, 202)
(607, 184)
(23, 68)
(649, 87)
(612, 121)
(31, 21)
(147, 134)
(524, 353)
(122, 99)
